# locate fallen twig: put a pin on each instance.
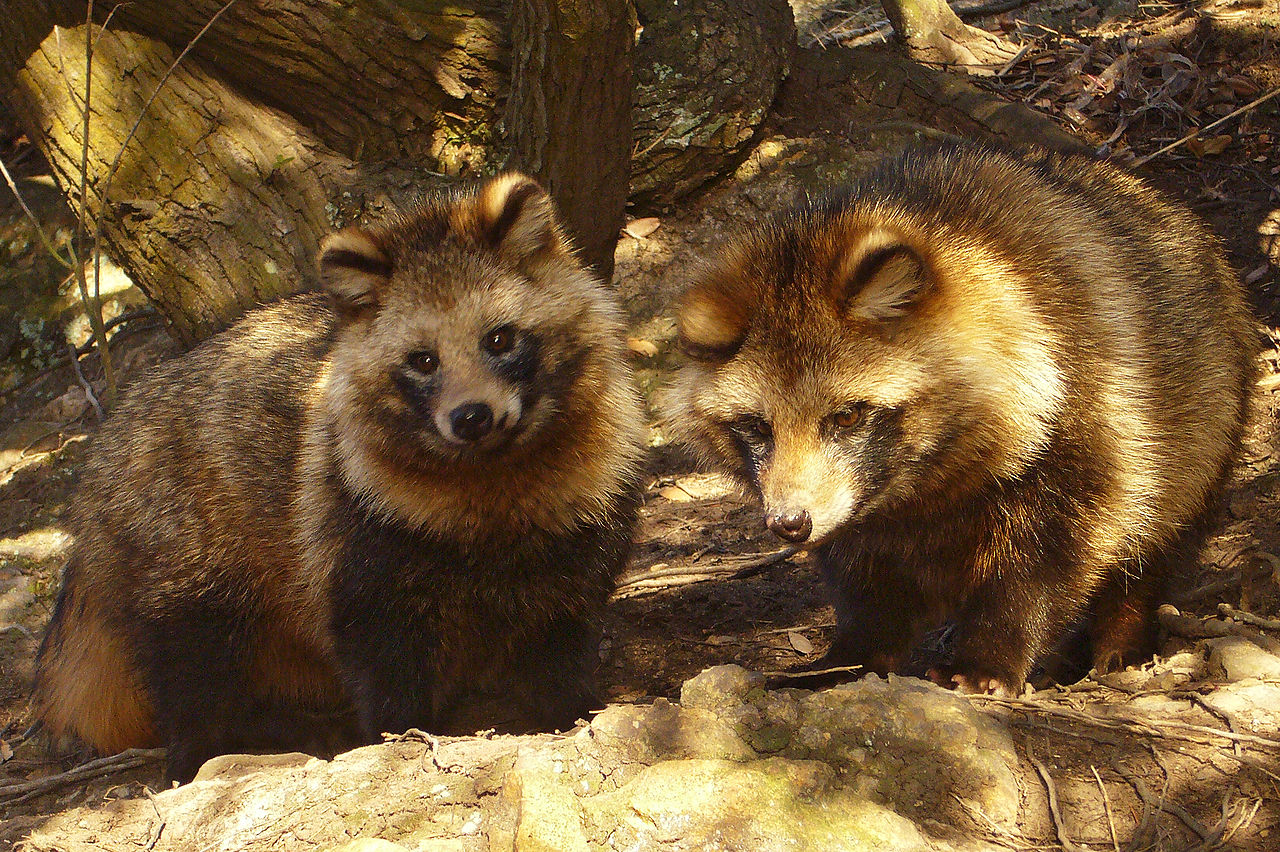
(84, 383)
(12, 794)
(63, 361)
(156, 805)
(801, 675)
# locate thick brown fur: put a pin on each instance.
(298, 517)
(1005, 389)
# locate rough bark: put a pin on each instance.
(569, 112)
(707, 72)
(290, 116)
(216, 252)
(372, 79)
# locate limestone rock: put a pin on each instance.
(1236, 658)
(877, 764)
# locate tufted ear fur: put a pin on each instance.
(712, 320)
(883, 278)
(354, 270)
(516, 216)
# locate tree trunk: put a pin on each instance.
(290, 117)
(707, 72)
(569, 112)
(933, 34)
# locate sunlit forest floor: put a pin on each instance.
(705, 586)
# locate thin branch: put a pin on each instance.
(653, 579)
(84, 383)
(1159, 728)
(1185, 139)
(804, 675)
(163, 822)
(92, 306)
(105, 194)
(1226, 610)
(7, 396)
(44, 238)
(130, 759)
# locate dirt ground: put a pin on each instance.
(1105, 72)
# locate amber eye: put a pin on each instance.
(755, 429)
(847, 418)
(425, 363)
(500, 340)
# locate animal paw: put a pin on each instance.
(972, 682)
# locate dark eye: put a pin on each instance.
(500, 340)
(849, 416)
(754, 429)
(425, 363)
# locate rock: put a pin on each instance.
(876, 764)
(368, 845)
(719, 687)
(770, 804)
(1235, 658)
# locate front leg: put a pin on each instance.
(555, 672)
(388, 661)
(880, 615)
(1008, 621)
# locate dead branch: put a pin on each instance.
(1106, 804)
(661, 578)
(1226, 610)
(801, 675)
(159, 830)
(84, 383)
(129, 759)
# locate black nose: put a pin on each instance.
(472, 421)
(791, 526)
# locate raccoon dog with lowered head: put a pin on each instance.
(421, 480)
(1001, 389)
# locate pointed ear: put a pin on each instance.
(884, 278)
(354, 269)
(712, 320)
(516, 216)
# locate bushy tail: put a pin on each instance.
(87, 683)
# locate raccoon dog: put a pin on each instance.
(418, 481)
(1001, 389)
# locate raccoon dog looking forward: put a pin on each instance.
(1001, 389)
(420, 480)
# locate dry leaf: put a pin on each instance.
(641, 228)
(1217, 144)
(675, 494)
(6, 751)
(1243, 86)
(645, 348)
(801, 644)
